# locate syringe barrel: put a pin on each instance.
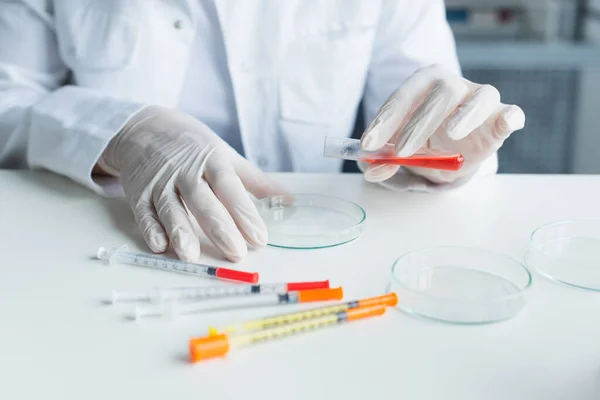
(194, 292)
(120, 255)
(324, 321)
(112, 254)
(388, 300)
(207, 347)
(281, 331)
(150, 261)
(276, 320)
(256, 300)
(172, 309)
(183, 293)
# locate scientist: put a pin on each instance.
(185, 103)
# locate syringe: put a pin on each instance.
(349, 149)
(207, 347)
(172, 309)
(389, 299)
(121, 255)
(184, 293)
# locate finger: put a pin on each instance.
(254, 180)
(510, 119)
(473, 112)
(176, 221)
(486, 140)
(397, 108)
(443, 99)
(230, 191)
(152, 231)
(380, 172)
(213, 218)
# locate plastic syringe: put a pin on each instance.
(389, 299)
(184, 293)
(207, 347)
(349, 149)
(121, 255)
(173, 309)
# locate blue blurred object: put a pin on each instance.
(457, 15)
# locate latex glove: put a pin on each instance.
(168, 161)
(438, 109)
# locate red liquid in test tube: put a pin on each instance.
(350, 149)
(452, 162)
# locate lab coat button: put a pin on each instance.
(177, 24)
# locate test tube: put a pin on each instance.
(121, 255)
(389, 299)
(207, 347)
(173, 309)
(183, 293)
(349, 149)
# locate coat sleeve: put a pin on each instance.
(410, 35)
(45, 123)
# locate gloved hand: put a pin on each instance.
(438, 109)
(168, 161)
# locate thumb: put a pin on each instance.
(256, 181)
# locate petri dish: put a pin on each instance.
(310, 221)
(567, 252)
(460, 285)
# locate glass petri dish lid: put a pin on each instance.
(567, 252)
(460, 285)
(310, 221)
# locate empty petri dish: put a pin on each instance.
(460, 285)
(309, 221)
(567, 252)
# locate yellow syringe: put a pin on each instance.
(213, 346)
(389, 299)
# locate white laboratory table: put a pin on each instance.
(58, 340)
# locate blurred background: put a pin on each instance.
(543, 55)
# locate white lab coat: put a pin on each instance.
(72, 72)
